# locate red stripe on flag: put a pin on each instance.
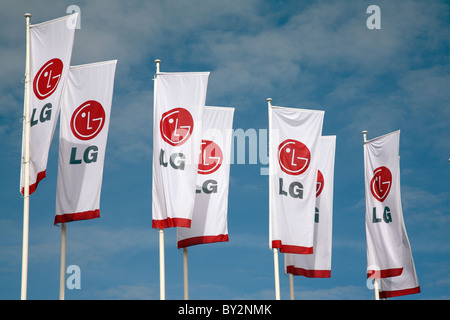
(397, 293)
(171, 222)
(68, 217)
(41, 175)
(308, 273)
(201, 240)
(291, 249)
(386, 273)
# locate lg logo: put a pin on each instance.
(176, 126)
(47, 79)
(294, 158)
(211, 157)
(86, 123)
(380, 185)
(45, 83)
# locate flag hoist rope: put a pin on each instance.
(26, 161)
(375, 280)
(162, 275)
(275, 250)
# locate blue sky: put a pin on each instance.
(308, 54)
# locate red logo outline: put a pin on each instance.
(176, 126)
(88, 120)
(209, 151)
(47, 78)
(381, 183)
(294, 157)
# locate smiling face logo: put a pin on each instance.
(87, 120)
(294, 157)
(380, 185)
(211, 157)
(176, 126)
(47, 79)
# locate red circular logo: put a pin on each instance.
(87, 120)
(176, 126)
(380, 185)
(47, 79)
(294, 157)
(211, 157)
(320, 183)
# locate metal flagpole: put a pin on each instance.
(162, 275)
(275, 250)
(185, 274)
(375, 280)
(291, 286)
(26, 160)
(62, 271)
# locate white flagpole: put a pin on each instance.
(275, 250)
(26, 160)
(375, 280)
(185, 274)
(291, 286)
(162, 275)
(62, 271)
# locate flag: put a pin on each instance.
(179, 100)
(84, 125)
(388, 250)
(51, 45)
(209, 219)
(293, 158)
(318, 264)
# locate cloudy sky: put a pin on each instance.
(309, 54)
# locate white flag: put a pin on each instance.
(293, 158)
(179, 100)
(84, 124)
(388, 250)
(318, 264)
(51, 45)
(209, 219)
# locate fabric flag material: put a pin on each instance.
(84, 126)
(388, 250)
(293, 158)
(179, 101)
(209, 219)
(51, 45)
(318, 264)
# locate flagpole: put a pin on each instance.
(185, 274)
(291, 286)
(275, 250)
(162, 275)
(62, 270)
(26, 160)
(375, 280)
